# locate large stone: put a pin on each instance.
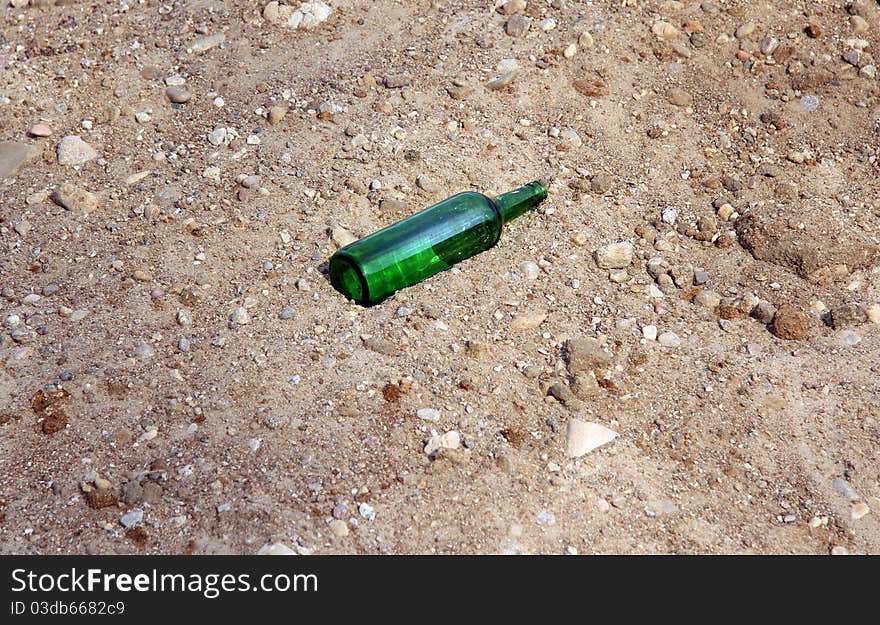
(501, 81)
(614, 255)
(512, 6)
(848, 315)
(791, 323)
(680, 97)
(276, 549)
(821, 251)
(73, 198)
(665, 30)
(72, 150)
(517, 25)
(131, 518)
(178, 95)
(13, 155)
(528, 320)
(582, 437)
(585, 354)
(206, 43)
(307, 15)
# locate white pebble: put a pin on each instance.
(530, 270)
(582, 437)
(669, 339)
(428, 414)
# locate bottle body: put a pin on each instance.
(418, 247)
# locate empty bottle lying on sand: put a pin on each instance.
(375, 267)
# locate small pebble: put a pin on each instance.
(184, 318)
(517, 25)
(844, 489)
(615, 255)
(206, 43)
(277, 114)
(545, 518)
(367, 511)
(132, 518)
(428, 414)
(859, 510)
(530, 270)
(618, 276)
(341, 512)
(669, 215)
(178, 95)
(809, 103)
(669, 339)
(40, 130)
(764, 312)
(240, 316)
(339, 528)
(501, 81)
(276, 549)
(449, 440)
(582, 437)
(708, 299)
(665, 30)
(528, 321)
(745, 30)
(561, 392)
(847, 338)
(512, 6)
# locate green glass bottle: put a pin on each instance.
(375, 267)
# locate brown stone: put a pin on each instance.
(821, 251)
(585, 385)
(592, 88)
(49, 409)
(585, 354)
(791, 323)
(98, 498)
(515, 436)
(725, 311)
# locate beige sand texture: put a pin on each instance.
(177, 375)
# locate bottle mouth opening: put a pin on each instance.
(348, 279)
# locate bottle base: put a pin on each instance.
(348, 280)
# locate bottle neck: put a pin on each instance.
(516, 202)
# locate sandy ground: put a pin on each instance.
(178, 376)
